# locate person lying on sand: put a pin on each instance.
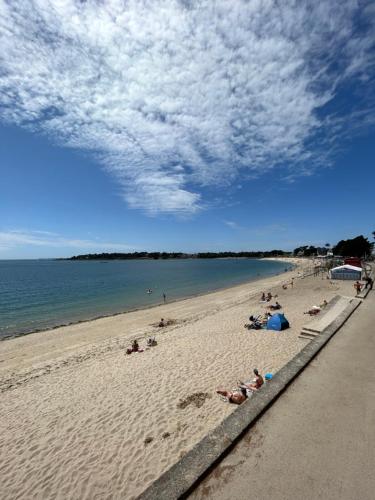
(164, 322)
(255, 323)
(236, 397)
(255, 384)
(316, 309)
(274, 307)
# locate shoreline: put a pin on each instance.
(79, 336)
(16, 335)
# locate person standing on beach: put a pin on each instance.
(369, 282)
(164, 298)
(357, 285)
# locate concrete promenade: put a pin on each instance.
(317, 441)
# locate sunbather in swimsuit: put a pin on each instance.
(274, 307)
(314, 310)
(236, 397)
(256, 383)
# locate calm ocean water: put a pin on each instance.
(38, 294)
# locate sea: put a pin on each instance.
(40, 294)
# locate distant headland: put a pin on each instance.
(177, 255)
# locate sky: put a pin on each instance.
(184, 126)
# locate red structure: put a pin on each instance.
(353, 261)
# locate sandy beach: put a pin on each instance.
(81, 419)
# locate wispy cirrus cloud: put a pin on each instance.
(171, 96)
(264, 230)
(19, 238)
(232, 224)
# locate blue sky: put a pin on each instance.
(184, 126)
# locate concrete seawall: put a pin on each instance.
(181, 478)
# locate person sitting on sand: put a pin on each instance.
(323, 304)
(161, 323)
(236, 397)
(269, 296)
(134, 347)
(285, 286)
(255, 384)
(151, 341)
(266, 317)
(263, 297)
(262, 320)
(275, 307)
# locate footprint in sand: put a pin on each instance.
(148, 440)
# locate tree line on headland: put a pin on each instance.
(176, 255)
(355, 247)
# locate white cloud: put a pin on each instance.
(171, 96)
(19, 238)
(232, 224)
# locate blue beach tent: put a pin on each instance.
(277, 322)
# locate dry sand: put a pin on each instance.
(81, 419)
